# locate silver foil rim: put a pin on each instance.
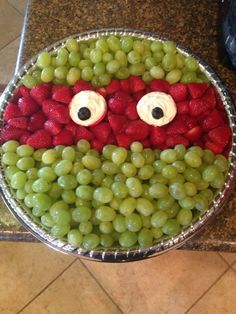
(123, 255)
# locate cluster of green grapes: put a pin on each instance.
(98, 61)
(119, 197)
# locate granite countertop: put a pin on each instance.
(191, 23)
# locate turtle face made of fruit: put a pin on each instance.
(129, 162)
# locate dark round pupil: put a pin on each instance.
(84, 113)
(157, 113)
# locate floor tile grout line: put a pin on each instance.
(224, 259)
(48, 285)
(208, 289)
(101, 286)
(10, 42)
(21, 14)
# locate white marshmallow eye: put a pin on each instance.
(156, 108)
(87, 108)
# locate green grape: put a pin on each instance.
(95, 81)
(37, 74)
(126, 43)
(171, 227)
(103, 195)
(24, 150)
(28, 200)
(10, 146)
(159, 218)
(74, 58)
(25, 163)
(184, 217)
(123, 73)
(192, 159)
(99, 68)
(43, 60)
(97, 177)
(145, 172)
(81, 214)
(128, 169)
(80, 202)
(73, 75)
(180, 151)
(113, 43)
(189, 77)
(119, 189)
(147, 78)
(87, 73)
(187, 202)
(37, 155)
(128, 239)
(134, 57)
(107, 181)
(61, 60)
(10, 171)
(179, 178)
(127, 206)
(105, 213)
(148, 156)
(207, 194)
(144, 207)
(221, 162)
(158, 165)
(107, 57)
(137, 159)
(106, 240)
(41, 186)
(145, 238)
(169, 62)
(42, 201)
(72, 44)
(137, 69)
(28, 186)
(177, 190)
(47, 74)
(169, 172)
(49, 156)
(83, 146)
(165, 202)
(28, 81)
(120, 177)
(96, 55)
(9, 159)
(168, 155)
(84, 177)
(85, 192)
(21, 194)
(67, 182)
(113, 66)
(158, 56)
(179, 165)
(219, 182)
(57, 206)
(169, 47)
(102, 45)
(60, 216)
(69, 196)
(133, 222)
(74, 238)
(32, 173)
(108, 150)
(196, 149)
(119, 155)
(192, 175)
(174, 76)
(136, 147)
(145, 193)
(191, 63)
(158, 190)
(37, 212)
(91, 241)
(59, 231)
(208, 157)
(210, 173)
(63, 167)
(190, 188)
(157, 72)
(85, 63)
(138, 46)
(146, 221)
(180, 61)
(47, 220)
(121, 57)
(85, 227)
(18, 180)
(157, 233)
(55, 191)
(106, 227)
(104, 79)
(91, 162)
(150, 62)
(47, 173)
(135, 187)
(119, 224)
(61, 72)
(115, 203)
(156, 46)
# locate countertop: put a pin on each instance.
(191, 23)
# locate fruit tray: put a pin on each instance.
(122, 254)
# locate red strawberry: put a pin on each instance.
(9, 132)
(158, 135)
(196, 90)
(177, 126)
(136, 84)
(198, 106)
(83, 133)
(60, 114)
(24, 137)
(194, 133)
(137, 96)
(220, 135)
(40, 139)
(24, 91)
(27, 106)
(159, 86)
(102, 91)
(101, 131)
(183, 107)
(96, 144)
(131, 111)
(117, 122)
(16, 96)
(219, 102)
(48, 104)
(178, 91)
(176, 139)
(62, 94)
(190, 122)
(112, 87)
(146, 143)
(111, 139)
(125, 86)
(209, 97)
(137, 130)
(119, 102)
(72, 127)
(19, 122)
(11, 111)
(65, 137)
(41, 92)
(37, 121)
(52, 127)
(214, 147)
(213, 120)
(81, 86)
(123, 140)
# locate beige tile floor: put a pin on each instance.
(35, 279)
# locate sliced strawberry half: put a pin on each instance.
(11, 111)
(41, 92)
(62, 94)
(117, 122)
(196, 90)
(136, 84)
(194, 133)
(159, 86)
(27, 106)
(37, 121)
(40, 139)
(101, 131)
(65, 137)
(137, 130)
(178, 91)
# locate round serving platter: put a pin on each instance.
(119, 254)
